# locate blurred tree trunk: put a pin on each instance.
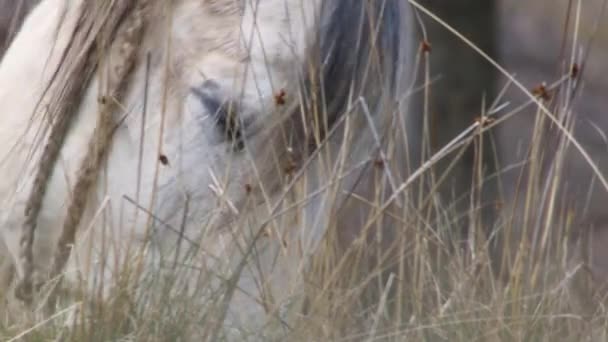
(461, 81)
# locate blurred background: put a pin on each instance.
(536, 42)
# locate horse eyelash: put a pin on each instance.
(225, 116)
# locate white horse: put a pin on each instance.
(183, 127)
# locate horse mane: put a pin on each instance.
(355, 71)
(117, 25)
(360, 56)
(12, 14)
(364, 51)
(362, 45)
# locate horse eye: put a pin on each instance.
(225, 115)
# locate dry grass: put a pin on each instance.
(432, 284)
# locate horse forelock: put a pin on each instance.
(96, 28)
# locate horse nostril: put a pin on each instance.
(224, 113)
